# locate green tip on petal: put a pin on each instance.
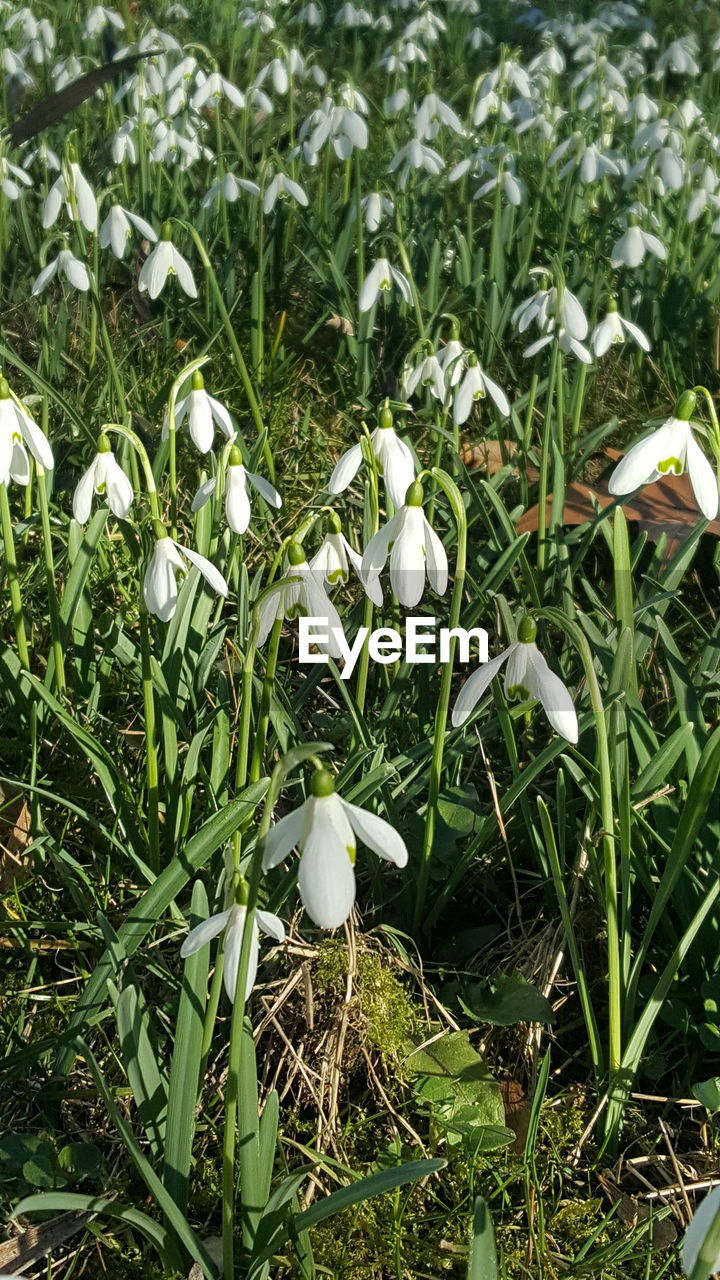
(527, 630)
(159, 529)
(166, 232)
(103, 443)
(685, 407)
(415, 495)
(385, 419)
(334, 523)
(235, 459)
(4, 389)
(198, 382)
(322, 783)
(295, 554)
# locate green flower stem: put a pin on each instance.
(126, 432)
(370, 527)
(55, 628)
(264, 712)
(458, 508)
(545, 461)
(234, 347)
(12, 577)
(607, 819)
(151, 759)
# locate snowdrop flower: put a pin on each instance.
(415, 552)
(312, 15)
(213, 87)
(432, 114)
(282, 186)
(670, 450)
(10, 176)
(232, 922)
(566, 342)
(395, 461)
(450, 358)
(229, 187)
(73, 190)
(333, 557)
(117, 229)
(202, 411)
(527, 676)
(380, 278)
(701, 1244)
(416, 155)
(679, 57)
(427, 373)
(324, 829)
(237, 500)
(67, 265)
(376, 207)
(105, 477)
(17, 430)
(476, 385)
(160, 591)
(631, 248)
(615, 328)
(99, 18)
(553, 304)
(163, 261)
(305, 596)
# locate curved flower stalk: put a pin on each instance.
(614, 329)
(163, 261)
(106, 478)
(18, 434)
(232, 923)
(334, 556)
(670, 450)
(304, 596)
(203, 413)
(324, 829)
(237, 500)
(395, 461)
(416, 553)
(160, 591)
(527, 676)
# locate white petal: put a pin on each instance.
(118, 487)
(475, 686)
(159, 585)
(639, 465)
(694, 1239)
(265, 489)
(36, 441)
(702, 478)
(231, 955)
(407, 558)
(237, 503)
(222, 417)
(44, 277)
(326, 878)
(377, 834)
(200, 421)
(377, 549)
(283, 837)
(211, 575)
(636, 332)
(271, 925)
(437, 562)
(345, 469)
(543, 684)
(83, 496)
(183, 273)
(204, 933)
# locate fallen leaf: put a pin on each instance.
(15, 839)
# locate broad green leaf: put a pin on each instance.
(451, 1077)
(508, 999)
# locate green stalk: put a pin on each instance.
(12, 577)
(545, 462)
(55, 628)
(441, 714)
(151, 760)
(264, 712)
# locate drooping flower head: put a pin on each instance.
(160, 590)
(106, 478)
(395, 461)
(671, 450)
(416, 553)
(18, 434)
(232, 922)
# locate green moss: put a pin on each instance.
(382, 1009)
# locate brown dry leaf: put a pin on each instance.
(15, 839)
(517, 1111)
(36, 1242)
(342, 323)
(667, 506)
(631, 1212)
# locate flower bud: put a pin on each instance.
(295, 554)
(414, 496)
(198, 382)
(235, 459)
(685, 407)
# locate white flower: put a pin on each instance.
(66, 264)
(567, 344)
(381, 277)
(10, 176)
(229, 187)
(215, 87)
(527, 676)
(476, 385)
(99, 17)
(333, 557)
(237, 500)
(72, 189)
(116, 230)
(416, 155)
(281, 186)
(671, 450)
(160, 590)
(428, 373)
(701, 1243)
(105, 477)
(306, 596)
(202, 412)
(17, 430)
(163, 261)
(324, 830)
(630, 249)
(415, 552)
(233, 922)
(396, 463)
(615, 328)
(450, 359)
